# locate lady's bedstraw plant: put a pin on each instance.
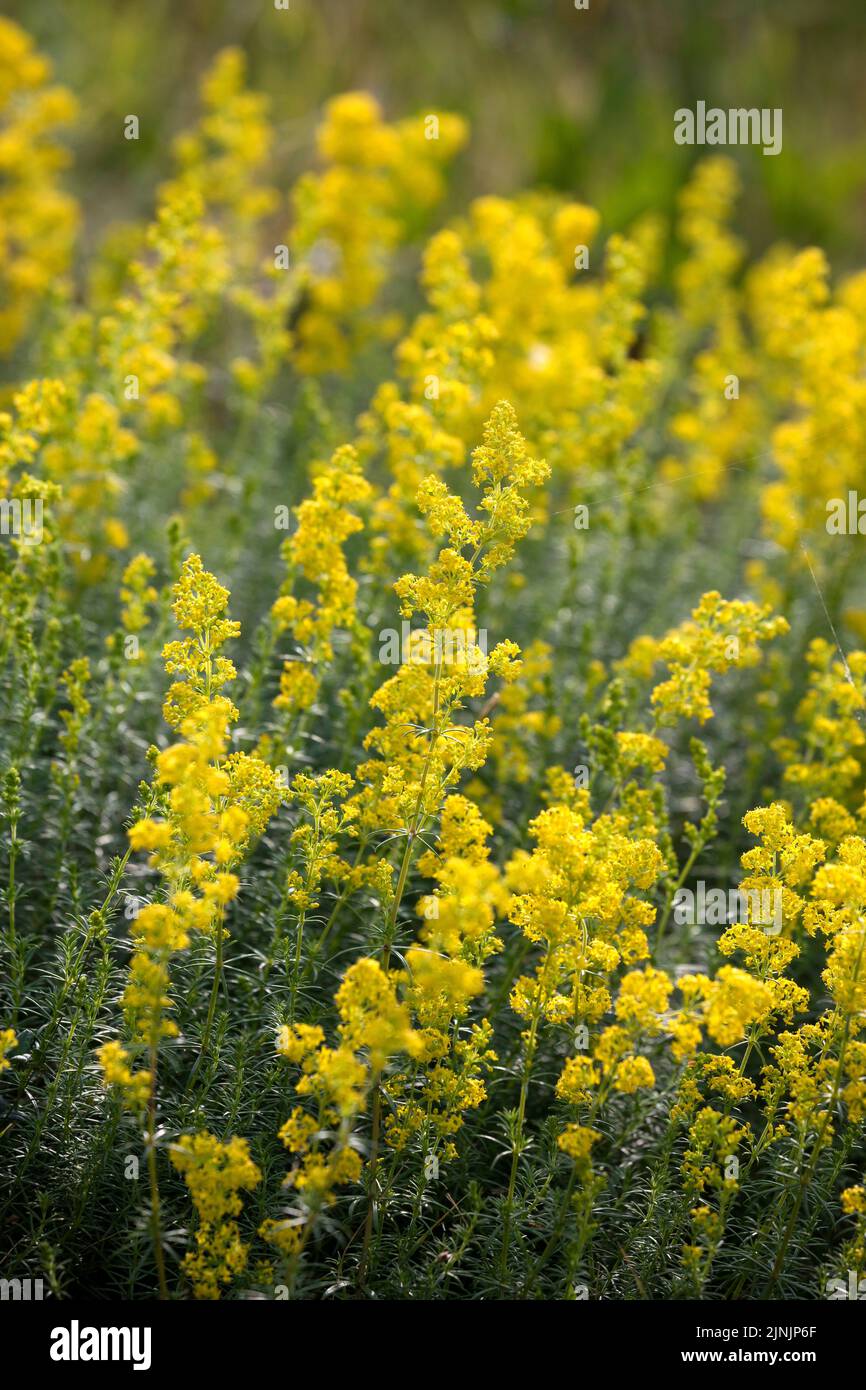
(422, 750)
(573, 903)
(215, 803)
(314, 841)
(506, 1063)
(315, 555)
(39, 220)
(215, 1173)
(210, 805)
(373, 1026)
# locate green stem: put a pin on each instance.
(808, 1173)
(687, 868)
(518, 1143)
(155, 1224)
(214, 994)
(371, 1200)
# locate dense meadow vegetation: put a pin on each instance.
(433, 735)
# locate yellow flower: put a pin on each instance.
(853, 1201)
(215, 1174)
(299, 1041)
(723, 633)
(149, 834)
(351, 216)
(8, 1040)
(135, 1086)
(577, 1141)
(633, 1073)
(38, 221)
(737, 1000)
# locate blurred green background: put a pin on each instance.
(581, 100)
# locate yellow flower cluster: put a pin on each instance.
(38, 221)
(443, 976)
(8, 1040)
(811, 344)
(723, 633)
(576, 902)
(825, 761)
(315, 554)
(377, 177)
(478, 873)
(422, 750)
(373, 1026)
(222, 157)
(137, 595)
(215, 1174)
(134, 1086)
(213, 804)
(532, 328)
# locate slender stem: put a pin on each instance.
(96, 922)
(518, 1142)
(155, 1224)
(686, 870)
(808, 1173)
(217, 975)
(555, 1235)
(374, 1165)
(17, 971)
(296, 968)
